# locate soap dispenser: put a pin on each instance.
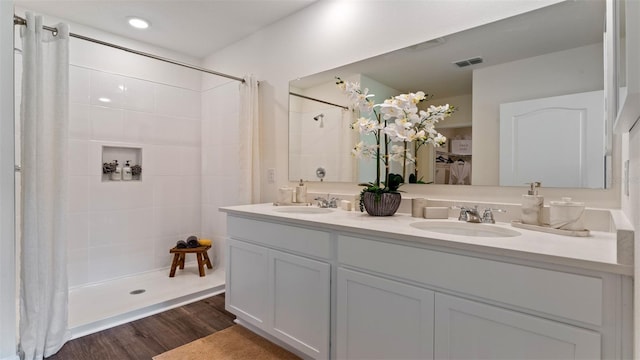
(532, 205)
(117, 173)
(301, 192)
(126, 171)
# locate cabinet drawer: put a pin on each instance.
(557, 293)
(296, 239)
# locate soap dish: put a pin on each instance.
(549, 229)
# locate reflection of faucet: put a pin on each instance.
(329, 202)
(469, 215)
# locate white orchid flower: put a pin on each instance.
(365, 125)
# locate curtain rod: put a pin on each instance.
(318, 100)
(17, 20)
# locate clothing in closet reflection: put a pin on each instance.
(460, 170)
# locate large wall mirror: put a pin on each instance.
(529, 93)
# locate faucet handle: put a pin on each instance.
(487, 215)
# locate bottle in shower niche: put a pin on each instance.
(126, 171)
(117, 173)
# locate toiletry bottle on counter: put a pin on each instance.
(117, 173)
(532, 205)
(301, 192)
(126, 171)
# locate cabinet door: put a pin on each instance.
(246, 287)
(470, 330)
(300, 302)
(382, 319)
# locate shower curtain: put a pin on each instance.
(44, 109)
(249, 137)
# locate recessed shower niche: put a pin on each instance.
(121, 163)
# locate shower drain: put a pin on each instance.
(136, 292)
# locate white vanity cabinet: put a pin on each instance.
(466, 329)
(285, 295)
(379, 294)
(382, 319)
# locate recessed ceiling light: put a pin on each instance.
(104, 100)
(138, 23)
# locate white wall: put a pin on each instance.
(573, 71)
(8, 333)
(329, 34)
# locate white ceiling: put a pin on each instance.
(192, 27)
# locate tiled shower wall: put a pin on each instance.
(118, 228)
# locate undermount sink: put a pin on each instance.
(464, 229)
(302, 210)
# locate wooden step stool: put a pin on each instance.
(201, 256)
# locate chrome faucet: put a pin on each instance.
(487, 215)
(469, 214)
(329, 202)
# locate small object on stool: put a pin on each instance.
(204, 242)
(181, 244)
(201, 256)
(192, 242)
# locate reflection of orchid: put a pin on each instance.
(397, 120)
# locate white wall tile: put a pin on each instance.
(162, 257)
(139, 194)
(95, 159)
(77, 266)
(106, 124)
(78, 190)
(78, 230)
(79, 85)
(190, 191)
(190, 133)
(106, 228)
(167, 191)
(78, 160)
(138, 225)
(166, 221)
(107, 262)
(190, 163)
(138, 258)
(107, 86)
(105, 196)
(164, 160)
(79, 124)
(167, 131)
(177, 102)
(139, 95)
(190, 217)
(138, 127)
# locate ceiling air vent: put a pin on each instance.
(468, 62)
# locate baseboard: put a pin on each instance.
(133, 315)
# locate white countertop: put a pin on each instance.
(595, 252)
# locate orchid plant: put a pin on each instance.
(395, 124)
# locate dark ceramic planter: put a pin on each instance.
(386, 205)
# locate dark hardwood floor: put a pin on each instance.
(153, 335)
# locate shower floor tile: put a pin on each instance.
(100, 306)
